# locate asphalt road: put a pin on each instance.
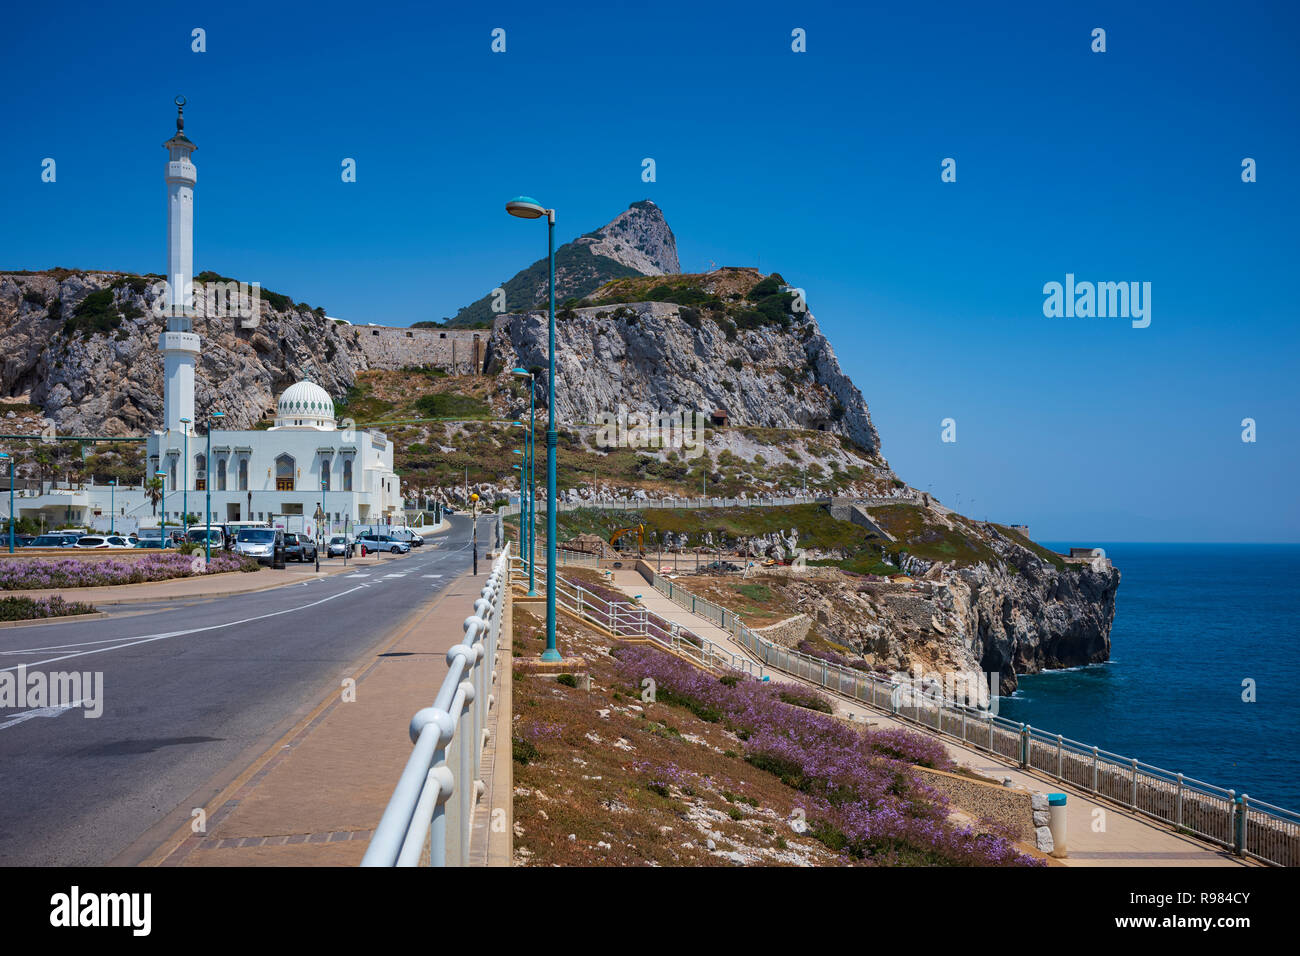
(187, 690)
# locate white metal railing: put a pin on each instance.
(631, 621)
(433, 804)
(1249, 827)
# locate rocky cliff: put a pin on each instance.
(744, 350)
(84, 347)
(637, 242)
(1013, 613)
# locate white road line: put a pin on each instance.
(150, 638)
(40, 712)
(431, 575)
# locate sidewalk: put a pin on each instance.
(314, 797)
(1126, 840)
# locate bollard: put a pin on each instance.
(1056, 823)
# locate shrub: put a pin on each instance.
(523, 751)
(568, 680)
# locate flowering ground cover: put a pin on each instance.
(860, 794)
(72, 572)
(714, 772)
(31, 609)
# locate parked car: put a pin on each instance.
(216, 540)
(298, 547)
(407, 535)
(382, 542)
(265, 544)
(340, 546)
(22, 540)
(55, 540)
(97, 542)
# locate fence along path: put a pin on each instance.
(1196, 809)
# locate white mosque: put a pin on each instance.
(302, 466)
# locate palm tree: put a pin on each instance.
(153, 489)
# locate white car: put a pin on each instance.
(95, 542)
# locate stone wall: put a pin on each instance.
(787, 633)
(1010, 808)
(456, 350)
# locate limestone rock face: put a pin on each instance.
(100, 373)
(639, 239)
(647, 356)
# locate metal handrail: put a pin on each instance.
(1249, 827)
(627, 620)
(439, 781)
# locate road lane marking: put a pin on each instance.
(40, 712)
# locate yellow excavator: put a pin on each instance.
(639, 530)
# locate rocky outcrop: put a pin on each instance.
(651, 357)
(96, 370)
(1017, 615)
(637, 242)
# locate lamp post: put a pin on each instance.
(162, 475)
(112, 506)
(185, 480)
(5, 454)
(526, 208)
(207, 487)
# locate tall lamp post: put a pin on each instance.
(185, 481)
(112, 506)
(207, 487)
(163, 475)
(526, 208)
(5, 454)
(530, 463)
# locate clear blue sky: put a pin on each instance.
(823, 166)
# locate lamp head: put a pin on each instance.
(217, 415)
(525, 207)
(521, 373)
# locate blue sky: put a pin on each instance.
(825, 166)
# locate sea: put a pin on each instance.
(1204, 675)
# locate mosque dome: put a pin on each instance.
(304, 405)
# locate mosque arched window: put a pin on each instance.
(221, 475)
(284, 468)
(171, 471)
(347, 474)
(325, 474)
(200, 473)
(243, 474)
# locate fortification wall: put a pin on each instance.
(460, 351)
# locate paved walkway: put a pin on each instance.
(1120, 838)
(315, 796)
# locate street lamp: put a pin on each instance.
(112, 505)
(5, 454)
(525, 207)
(185, 481)
(207, 487)
(162, 476)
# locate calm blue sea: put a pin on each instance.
(1192, 621)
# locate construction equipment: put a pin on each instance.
(640, 536)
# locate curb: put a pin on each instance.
(62, 619)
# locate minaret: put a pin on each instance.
(178, 344)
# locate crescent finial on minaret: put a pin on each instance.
(180, 114)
